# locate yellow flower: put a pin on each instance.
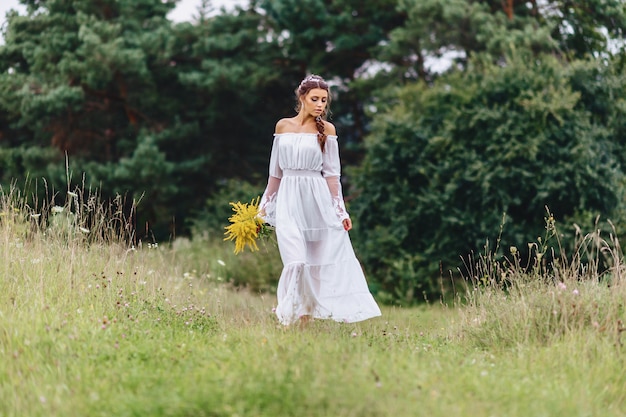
(245, 226)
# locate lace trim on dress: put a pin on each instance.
(267, 208)
(334, 186)
(340, 208)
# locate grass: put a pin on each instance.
(94, 327)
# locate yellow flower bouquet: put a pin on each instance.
(246, 226)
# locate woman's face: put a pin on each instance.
(314, 102)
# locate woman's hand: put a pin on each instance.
(347, 224)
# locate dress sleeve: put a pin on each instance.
(331, 169)
(267, 207)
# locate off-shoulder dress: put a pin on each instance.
(321, 276)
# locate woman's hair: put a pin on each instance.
(309, 83)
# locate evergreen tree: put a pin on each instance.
(142, 106)
(458, 29)
(336, 39)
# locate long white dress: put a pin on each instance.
(321, 276)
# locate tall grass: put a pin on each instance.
(553, 296)
(92, 325)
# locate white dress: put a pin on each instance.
(321, 276)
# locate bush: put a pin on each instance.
(444, 163)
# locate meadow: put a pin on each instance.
(93, 326)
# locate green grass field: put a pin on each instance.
(89, 328)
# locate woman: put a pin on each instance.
(321, 277)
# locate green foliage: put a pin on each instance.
(586, 28)
(333, 37)
(458, 29)
(141, 106)
(339, 40)
(37, 161)
(214, 216)
(445, 163)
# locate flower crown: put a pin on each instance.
(312, 77)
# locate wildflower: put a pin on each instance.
(57, 209)
(562, 286)
(513, 250)
(575, 292)
(245, 225)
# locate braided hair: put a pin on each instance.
(309, 83)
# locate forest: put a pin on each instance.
(465, 125)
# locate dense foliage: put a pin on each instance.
(520, 124)
(140, 105)
(470, 109)
(446, 163)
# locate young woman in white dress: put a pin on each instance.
(321, 277)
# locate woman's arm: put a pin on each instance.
(331, 170)
(267, 207)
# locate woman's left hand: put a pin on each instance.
(347, 224)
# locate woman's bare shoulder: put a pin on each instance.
(329, 128)
(284, 125)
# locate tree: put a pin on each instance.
(444, 163)
(458, 29)
(140, 105)
(336, 39)
(83, 77)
